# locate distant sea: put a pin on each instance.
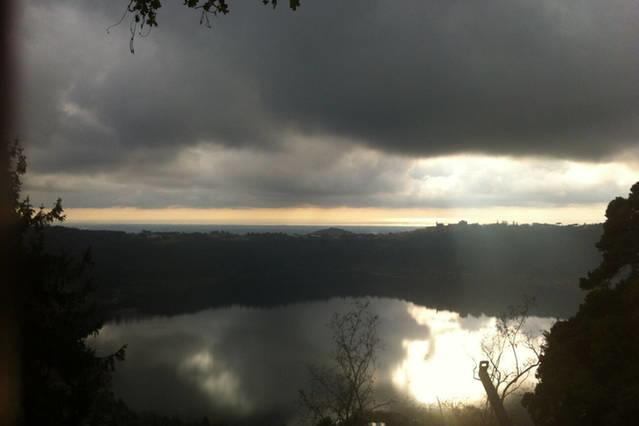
(236, 229)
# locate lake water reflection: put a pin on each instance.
(245, 362)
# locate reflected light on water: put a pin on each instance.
(441, 368)
(237, 362)
(217, 382)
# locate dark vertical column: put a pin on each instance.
(493, 398)
(9, 336)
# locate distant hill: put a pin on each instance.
(468, 268)
(331, 233)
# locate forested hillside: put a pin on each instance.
(468, 268)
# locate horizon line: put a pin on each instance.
(337, 216)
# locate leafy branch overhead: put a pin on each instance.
(145, 11)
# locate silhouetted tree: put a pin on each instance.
(512, 353)
(342, 393)
(619, 244)
(63, 381)
(589, 374)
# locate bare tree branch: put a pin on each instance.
(345, 390)
(512, 353)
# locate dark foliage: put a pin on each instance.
(467, 268)
(619, 244)
(589, 373)
(63, 380)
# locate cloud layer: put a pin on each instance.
(335, 104)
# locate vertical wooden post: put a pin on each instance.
(493, 397)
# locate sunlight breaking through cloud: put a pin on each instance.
(315, 183)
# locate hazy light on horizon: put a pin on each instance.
(344, 216)
(359, 186)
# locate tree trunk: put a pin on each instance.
(493, 397)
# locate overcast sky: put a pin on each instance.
(429, 107)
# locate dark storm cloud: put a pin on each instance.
(424, 78)
(506, 77)
(514, 77)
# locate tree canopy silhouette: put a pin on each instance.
(589, 373)
(63, 381)
(619, 244)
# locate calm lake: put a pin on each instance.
(242, 363)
